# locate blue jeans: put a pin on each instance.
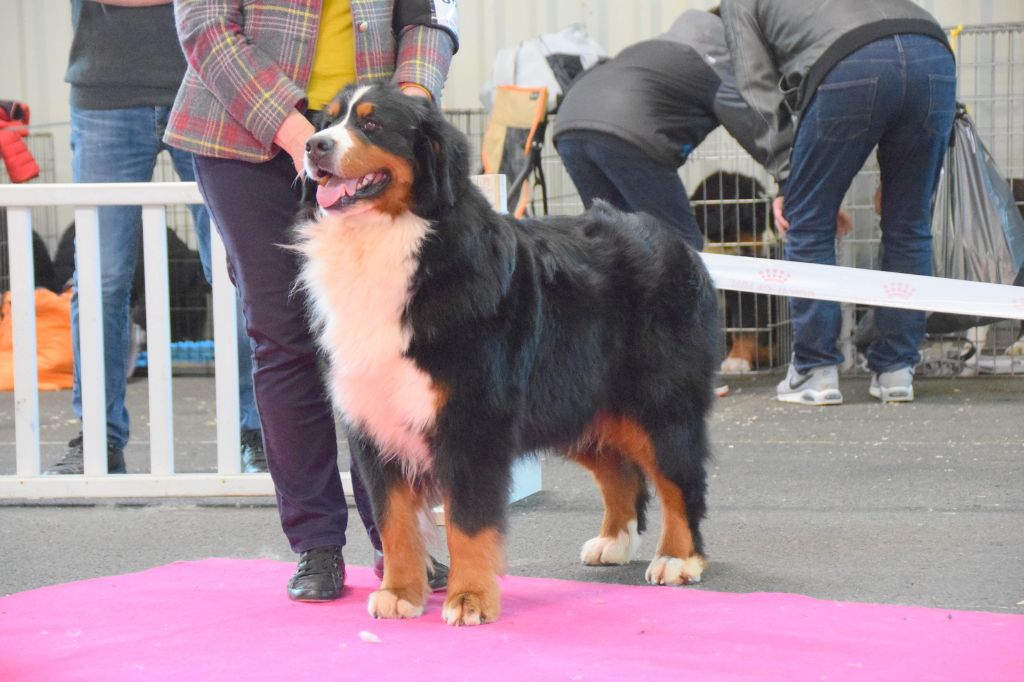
(898, 93)
(121, 145)
(605, 167)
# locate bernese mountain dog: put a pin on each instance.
(460, 339)
(734, 213)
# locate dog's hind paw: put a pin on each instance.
(669, 570)
(735, 366)
(611, 551)
(388, 604)
(470, 608)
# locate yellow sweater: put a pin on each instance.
(334, 62)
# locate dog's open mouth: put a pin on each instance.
(337, 193)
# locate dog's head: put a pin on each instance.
(380, 149)
(732, 208)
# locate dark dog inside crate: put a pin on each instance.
(42, 264)
(734, 213)
(188, 286)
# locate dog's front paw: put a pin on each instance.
(391, 604)
(670, 570)
(735, 366)
(611, 551)
(471, 608)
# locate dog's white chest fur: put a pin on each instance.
(358, 273)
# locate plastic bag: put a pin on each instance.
(978, 231)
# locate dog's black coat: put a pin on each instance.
(536, 327)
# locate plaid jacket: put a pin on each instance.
(250, 62)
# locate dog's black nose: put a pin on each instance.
(319, 145)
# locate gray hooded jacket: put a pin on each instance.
(783, 49)
(664, 95)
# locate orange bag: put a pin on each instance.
(53, 341)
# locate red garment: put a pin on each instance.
(21, 165)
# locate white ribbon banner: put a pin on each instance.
(870, 287)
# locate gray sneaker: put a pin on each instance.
(896, 386)
(820, 386)
(74, 461)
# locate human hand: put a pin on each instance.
(781, 224)
(292, 136)
(844, 224)
(844, 221)
(415, 90)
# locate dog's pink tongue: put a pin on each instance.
(329, 194)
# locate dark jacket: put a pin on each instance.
(663, 95)
(783, 49)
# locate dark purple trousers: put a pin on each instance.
(254, 206)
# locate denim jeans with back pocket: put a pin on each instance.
(897, 93)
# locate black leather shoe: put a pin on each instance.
(320, 575)
(437, 576)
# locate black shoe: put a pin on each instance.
(320, 575)
(437, 576)
(73, 461)
(254, 459)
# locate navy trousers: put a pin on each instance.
(254, 206)
(605, 167)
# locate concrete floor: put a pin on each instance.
(916, 504)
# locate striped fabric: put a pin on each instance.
(250, 62)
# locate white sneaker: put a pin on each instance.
(896, 386)
(820, 386)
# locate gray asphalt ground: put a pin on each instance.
(915, 504)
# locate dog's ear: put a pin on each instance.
(441, 153)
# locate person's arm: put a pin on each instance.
(757, 80)
(251, 86)
(427, 37)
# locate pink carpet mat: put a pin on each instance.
(230, 620)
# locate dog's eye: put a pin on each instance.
(369, 125)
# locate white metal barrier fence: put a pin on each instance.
(756, 275)
(154, 198)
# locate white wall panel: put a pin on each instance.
(35, 36)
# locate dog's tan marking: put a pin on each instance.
(619, 482)
(441, 394)
(477, 560)
(633, 441)
(364, 109)
(403, 592)
(746, 354)
(362, 158)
